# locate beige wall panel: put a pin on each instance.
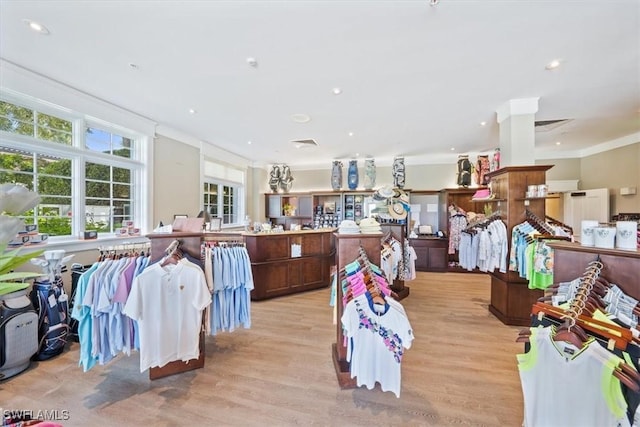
(176, 180)
(563, 169)
(257, 185)
(614, 169)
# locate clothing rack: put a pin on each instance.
(398, 232)
(123, 249)
(572, 324)
(560, 224)
(538, 224)
(346, 246)
(483, 223)
(163, 244)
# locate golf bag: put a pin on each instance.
(18, 333)
(51, 304)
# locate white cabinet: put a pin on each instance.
(586, 204)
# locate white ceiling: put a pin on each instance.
(416, 79)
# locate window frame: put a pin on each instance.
(80, 155)
(238, 199)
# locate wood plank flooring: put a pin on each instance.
(461, 370)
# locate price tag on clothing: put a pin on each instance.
(52, 301)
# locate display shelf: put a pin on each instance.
(537, 198)
(511, 298)
(488, 200)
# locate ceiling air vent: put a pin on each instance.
(547, 125)
(302, 143)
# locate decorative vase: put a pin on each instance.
(369, 174)
(286, 179)
(274, 179)
(336, 175)
(398, 172)
(352, 177)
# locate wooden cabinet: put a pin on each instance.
(511, 298)
(431, 254)
(355, 207)
(278, 270)
(300, 209)
(273, 206)
(305, 206)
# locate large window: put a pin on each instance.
(84, 172)
(50, 177)
(222, 201)
(26, 121)
(108, 197)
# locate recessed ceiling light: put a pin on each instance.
(249, 142)
(253, 62)
(557, 142)
(453, 149)
(350, 133)
(36, 26)
(483, 123)
(336, 91)
(301, 118)
(553, 64)
(192, 111)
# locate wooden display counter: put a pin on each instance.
(620, 266)
(289, 262)
(431, 253)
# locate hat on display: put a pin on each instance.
(397, 211)
(402, 195)
(348, 226)
(383, 193)
(369, 226)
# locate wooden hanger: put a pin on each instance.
(570, 332)
(620, 336)
(174, 254)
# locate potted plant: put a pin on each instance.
(15, 199)
(289, 210)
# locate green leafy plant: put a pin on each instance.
(15, 199)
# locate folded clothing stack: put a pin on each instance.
(369, 226)
(348, 226)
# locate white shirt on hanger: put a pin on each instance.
(168, 303)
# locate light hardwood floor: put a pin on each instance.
(461, 370)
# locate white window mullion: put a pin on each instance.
(78, 190)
